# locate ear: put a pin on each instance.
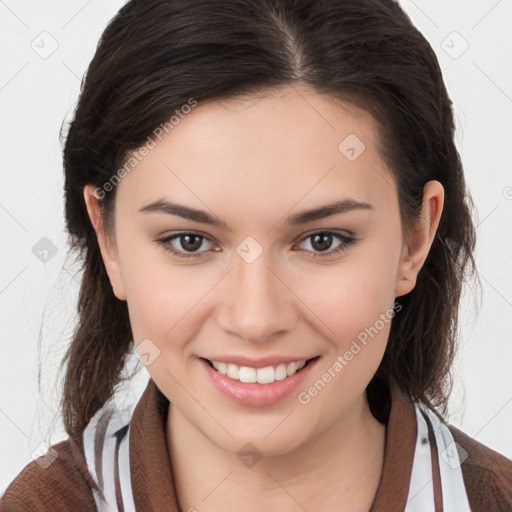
(417, 247)
(107, 246)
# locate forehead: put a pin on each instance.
(293, 122)
(285, 145)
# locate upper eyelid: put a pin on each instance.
(336, 231)
(300, 238)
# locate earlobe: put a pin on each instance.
(416, 248)
(107, 248)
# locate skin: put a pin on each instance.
(253, 162)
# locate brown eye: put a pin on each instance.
(186, 242)
(321, 241)
(190, 242)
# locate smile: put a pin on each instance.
(257, 386)
(265, 375)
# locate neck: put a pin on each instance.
(341, 465)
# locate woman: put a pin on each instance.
(271, 208)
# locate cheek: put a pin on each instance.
(350, 297)
(355, 309)
(163, 310)
(342, 300)
(158, 294)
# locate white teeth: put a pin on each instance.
(265, 375)
(280, 372)
(233, 372)
(247, 374)
(291, 369)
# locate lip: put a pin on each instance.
(262, 362)
(255, 394)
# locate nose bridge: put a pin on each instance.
(258, 304)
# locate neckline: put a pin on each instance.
(151, 473)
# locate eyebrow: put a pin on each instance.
(322, 212)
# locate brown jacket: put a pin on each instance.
(65, 484)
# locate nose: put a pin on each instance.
(257, 302)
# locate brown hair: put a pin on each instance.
(155, 55)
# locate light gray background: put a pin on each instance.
(38, 90)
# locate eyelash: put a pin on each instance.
(347, 240)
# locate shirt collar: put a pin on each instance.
(151, 473)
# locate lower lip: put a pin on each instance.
(257, 394)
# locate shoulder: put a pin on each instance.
(57, 481)
(487, 474)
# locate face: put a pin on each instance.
(265, 285)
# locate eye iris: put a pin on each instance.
(194, 246)
(323, 246)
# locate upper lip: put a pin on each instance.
(261, 362)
